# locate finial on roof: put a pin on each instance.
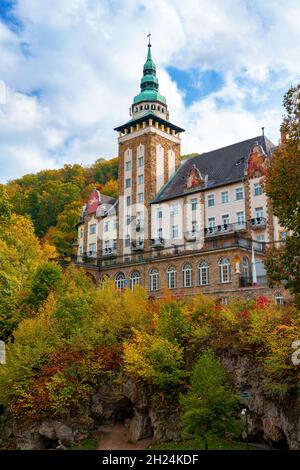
(263, 131)
(149, 36)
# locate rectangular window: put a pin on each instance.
(174, 231)
(240, 217)
(80, 250)
(259, 212)
(106, 244)
(81, 233)
(92, 248)
(225, 219)
(257, 189)
(115, 224)
(159, 213)
(128, 166)
(239, 194)
(140, 162)
(141, 179)
(127, 241)
(210, 200)
(224, 197)
(211, 222)
(175, 209)
(194, 204)
(194, 226)
(128, 201)
(114, 244)
(128, 219)
(106, 226)
(127, 182)
(140, 197)
(93, 229)
(159, 233)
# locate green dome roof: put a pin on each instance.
(149, 95)
(149, 82)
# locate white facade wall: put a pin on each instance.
(257, 202)
(231, 207)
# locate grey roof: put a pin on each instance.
(108, 199)
(222, 166)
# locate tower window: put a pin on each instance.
(162, 110)
(141, 107)
(158, 108)
(146, 106)
(153, 106)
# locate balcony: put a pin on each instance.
(137, 245)
(224, 229)
(248, 281)
(157, 242)
(109, 252)
(258, 223)
(139, 225)
(191, 236)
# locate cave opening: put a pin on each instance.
(123, 410)
(49, 444)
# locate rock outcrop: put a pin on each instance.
(274, 421)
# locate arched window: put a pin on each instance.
(153, 280)
(203, 273)
(146, 106)
(224, 270)
(153, 106)
(135, 279)
(141, 107)
(120, 281)
(187, 275)
(279, 298)
(245, 267)
(172, 277)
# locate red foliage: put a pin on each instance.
(261, 302)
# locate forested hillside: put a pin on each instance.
(53, 198)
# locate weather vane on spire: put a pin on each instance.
(149, 36)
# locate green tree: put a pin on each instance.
(46, 278)
(210, 405)
(283, 187)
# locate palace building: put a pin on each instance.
(197, 225)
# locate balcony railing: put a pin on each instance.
(248, 281)
(109, 252)
(191, 236)
(258, 222)
(139, 225)
(137, 245)
(224, 228)
(158, 242)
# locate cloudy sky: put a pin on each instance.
(69, 70)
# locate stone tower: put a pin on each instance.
(149, 155)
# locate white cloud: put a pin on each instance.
(83, 61)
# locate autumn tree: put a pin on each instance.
(283, 187)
